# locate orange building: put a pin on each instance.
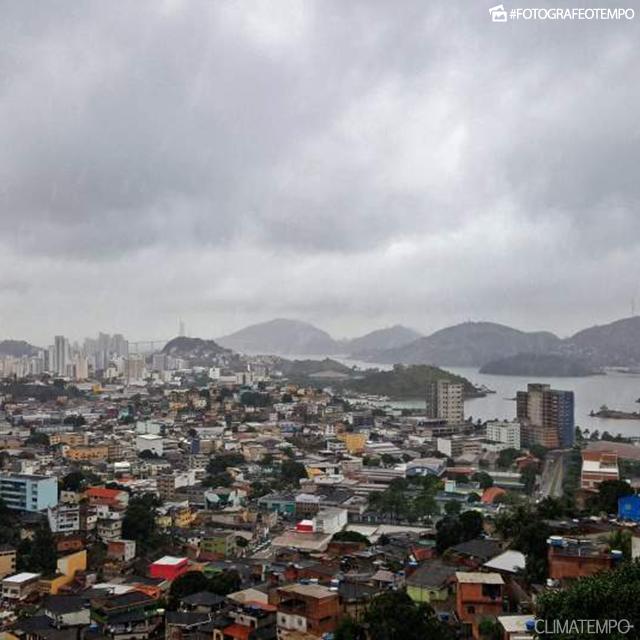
(87, 452)
(478, 596)
(112, 498)
(570, 559)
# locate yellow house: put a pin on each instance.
(7, 562)
(72, 439)
(183, 518)
(353, 441)
(163, 520)
(431, 582)
(67, 567)
(97, 452)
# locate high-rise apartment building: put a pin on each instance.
(546, 415)
(445, 401)
(61, 353)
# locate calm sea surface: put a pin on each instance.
(616, 390)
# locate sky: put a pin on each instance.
(354, 164)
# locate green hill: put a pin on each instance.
(406, 382)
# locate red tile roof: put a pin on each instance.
(491, 494)
(237, 631)
(103, 492)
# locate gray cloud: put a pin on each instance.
(353, 164)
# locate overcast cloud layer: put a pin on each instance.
(351, 163)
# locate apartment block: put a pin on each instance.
(445, 401)
(25, 492)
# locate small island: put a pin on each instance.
(408, 382)
(614, 414)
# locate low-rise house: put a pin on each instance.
(117, 499)
(571, 558)
(67, 611)
(517, 627)
(431, 582)
(168, 567)
(598, 466)
(474, 553)
(478, 596)
(121, 550)
(216, 545)
(7, 561)
(20, 586)
(130, 616)
(307, 608)
(202, 602)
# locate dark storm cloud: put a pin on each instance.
(354, 163)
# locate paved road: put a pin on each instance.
(553, 474)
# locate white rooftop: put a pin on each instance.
(514, 624)
(19, 578)
(510, 560)
(170, 560)
(475, 577)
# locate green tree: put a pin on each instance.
(609, 492)
(223, 479)
(220, 462)
(609, 595)
(185, 585)
(292, 471)
(38, 439)
(448, 533)
(39, 554)
(490, 629)
(538, 451)
(483, 479)
(348, 629)
(620, 540)
(139, 522)
(350, 536)
(394, 615)
(453, 507)
(528, 479)
(506, 458)
(471, 522)
(224, 583)
(73, 481)
(531, 539)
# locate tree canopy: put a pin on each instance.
(394, 615)
(609, 595)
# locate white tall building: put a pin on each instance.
(506, 432)
(61, 354)
(81, 366)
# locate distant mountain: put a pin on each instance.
(470, 344)
(382, 339)
(196, 350)
(17, 348)
(613, 344)
(547, 365)
(281, 337)
(306, 371)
